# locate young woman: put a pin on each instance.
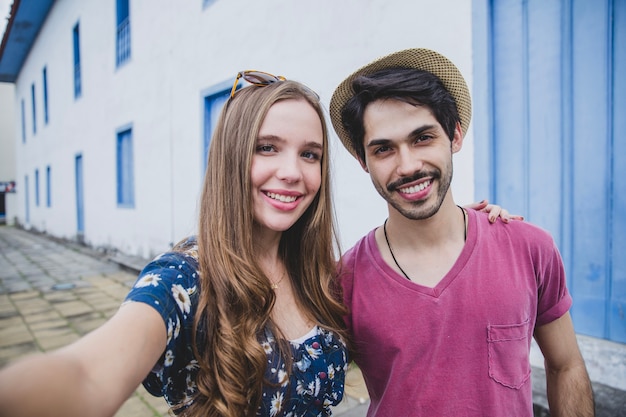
(241, 320)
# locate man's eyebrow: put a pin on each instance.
(377, 142)
(420, 130)
(415, 133)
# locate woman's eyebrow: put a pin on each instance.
(270, 138)
(314, 144)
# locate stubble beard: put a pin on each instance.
(421, 209)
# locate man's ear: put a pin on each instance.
(457, 140)
(363, 164)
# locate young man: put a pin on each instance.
(443, 305)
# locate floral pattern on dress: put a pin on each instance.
(317, 381)
(170, 284)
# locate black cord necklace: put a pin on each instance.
(391, 251)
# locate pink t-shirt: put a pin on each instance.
(462, 347)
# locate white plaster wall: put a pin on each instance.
(320, 45)
(7, 146)
(7, 132)
(179, 50)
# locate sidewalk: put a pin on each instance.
(52, 292)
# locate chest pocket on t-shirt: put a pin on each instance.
(508, 354)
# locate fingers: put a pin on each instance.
(495, 211)
(477, 206)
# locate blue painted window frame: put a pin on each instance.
(122, 43)
(34, 107)
(125, 168)
(213, 101)
(23, 117)
(26, 200)
(45, 95)
(37, 187)
(48, 186)
(78, 88)
(80, 195)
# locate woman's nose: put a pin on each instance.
(289, 169)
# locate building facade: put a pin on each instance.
(115, 102)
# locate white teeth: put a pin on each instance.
(282, 198)
(415, 188)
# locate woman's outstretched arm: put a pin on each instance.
(93, 376)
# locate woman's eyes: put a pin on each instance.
(314, 156)
(265, 148)
(309, 155)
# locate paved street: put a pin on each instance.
(53, 292)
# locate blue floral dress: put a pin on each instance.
(170, 284)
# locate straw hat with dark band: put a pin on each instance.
(422, 59)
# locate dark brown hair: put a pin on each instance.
(417, 87)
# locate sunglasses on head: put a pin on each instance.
(256, 78)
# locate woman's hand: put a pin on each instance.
(494, 211)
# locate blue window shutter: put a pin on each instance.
(23, 117)
(32, 95)
(26, 199)
(48, 187)
(125, 175)
(45, 95)
(213, 105)
(37, 187)
(123, 32)
(122, 11)
(77, 76)
(80, 207)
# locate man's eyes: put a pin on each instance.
(381, 149)
(423, 138)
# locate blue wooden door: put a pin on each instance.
(558, 106)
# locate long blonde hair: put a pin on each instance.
(236, 298)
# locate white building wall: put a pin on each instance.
(7, 146)
(7, 132)
(180, 49)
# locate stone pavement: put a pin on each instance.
(52, 292)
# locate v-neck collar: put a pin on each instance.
(389, 273)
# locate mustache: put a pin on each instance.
(392, 186)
